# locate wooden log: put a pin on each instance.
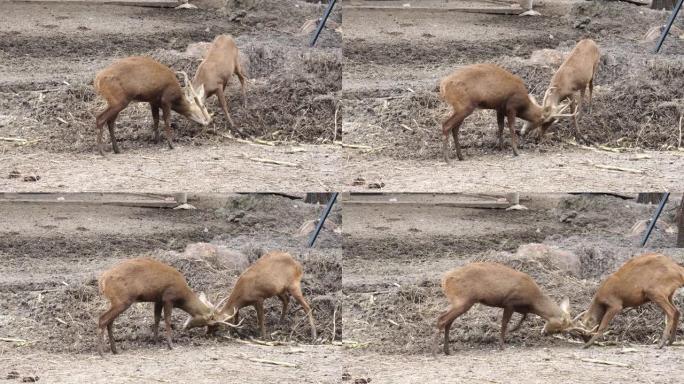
(134, 3)
(486, 10)
(464, 204)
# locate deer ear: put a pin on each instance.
(203, 298)
(565, 305)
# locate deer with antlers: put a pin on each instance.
(645, 278)
(570, 82)
(496, 285)
(143, 79)
(488, 86)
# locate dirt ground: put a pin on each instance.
(49, 55)
(49, 301)
(394, 59)
(395, 255)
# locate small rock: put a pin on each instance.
(583, 22)
(185, 206)
(517, 207)
(567, 217)
(376, 185)
(530, 13)
(237, 15)
(186, 6)
(359, 181)
(31, 177)
(14, 174)
(609, 60)
(29, 379)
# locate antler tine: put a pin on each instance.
(220, 303)
(579, 315)
(562, 108)
(546, 95)
(238, 325)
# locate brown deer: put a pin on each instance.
(143, 79)
(215, 72)
(496, 285)
(570, 81)
(488, 86)
(147, 280)
(649, 277)
(274, 274)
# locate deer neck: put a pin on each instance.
(547, 308)
(231, 306)
(195, 307)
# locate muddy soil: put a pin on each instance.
(395, 255)
(50, 54)
(52, 255)
(392, 67)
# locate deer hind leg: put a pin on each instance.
(517, 326)
(155, 119)
(511, 127)
(106, 320)
(576, 106)
(672, 317)
(453, 124)
(673, 331)
(507, 313)
(605, 321)
(591, 92)
(447, 318)
(168, 307)
(166, 109)
(108, 116)
(286, 301)
(296, 292)
(157, 318)
(259, 306)
(500, 122)
(224, 104)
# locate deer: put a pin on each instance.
(149, 280)
(496, 285)
(570, 82)
(274, 274)
(488, 86)
(642, 279)
(143, 79)
(221, 62)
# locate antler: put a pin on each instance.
(546, 95)
(188, 84)
(559, 111)
(238, 325)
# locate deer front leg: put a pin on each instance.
(168, 307)
(500, 122)
(166, 109)
(605, 321)
(511, 127)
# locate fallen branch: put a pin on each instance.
(614, 168)
(605, 362)
(13, 139)
(11, 340)
(353, 146)
(271, 161)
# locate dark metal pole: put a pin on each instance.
(321, 220)
(673, 15)
(657, 213)
(322, 22)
